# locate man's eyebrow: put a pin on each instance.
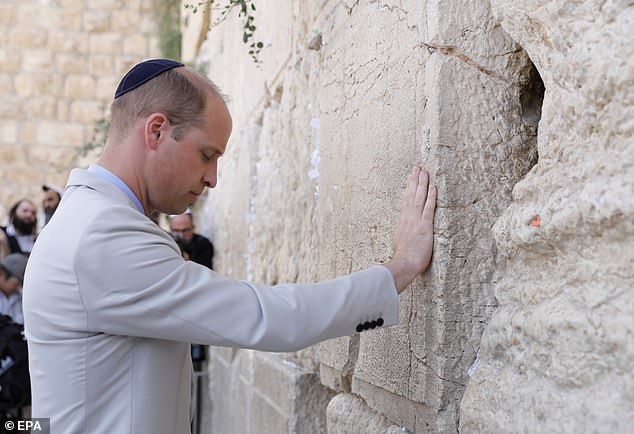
(212, 148)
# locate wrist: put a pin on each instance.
(403, 273)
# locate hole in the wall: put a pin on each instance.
(531, 101)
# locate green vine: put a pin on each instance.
(245, 12)
(168, 20)
(99, 134)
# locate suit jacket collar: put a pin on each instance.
(84, 178)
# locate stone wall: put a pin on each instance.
(558, 352)
(523, 117)
(60, 61)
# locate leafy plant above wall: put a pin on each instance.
(167, 15)
(99, 134)
(245, 12)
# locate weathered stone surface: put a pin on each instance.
(8, 133)
(348, 414)
(43, 107)
(6, 85)
(270, 394)
(457, 92)
(85, 111)
(106, 43)
(37, 60)
(71, 64)
(7, 14)
(68, 42)
(135, 45)
(96, 20)
(79, 87)
(28, 37)
(557, 354)
(123, 21)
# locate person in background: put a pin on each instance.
(198, 247)
(11, 278)
(21, 231)
(5, 250)
(52, 197)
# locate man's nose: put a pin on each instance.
(210, 177)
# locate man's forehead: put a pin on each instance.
(219, 120)
(180, 219)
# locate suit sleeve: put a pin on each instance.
(133, 282)
(203, 253)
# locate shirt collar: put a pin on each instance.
(118, 182)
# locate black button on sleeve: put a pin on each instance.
(366, 325)
(373, 324)
(379, 322)
(360, 328)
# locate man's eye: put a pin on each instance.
(206, 157)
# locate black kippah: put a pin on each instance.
(142, 72)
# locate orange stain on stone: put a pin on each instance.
(536, 221)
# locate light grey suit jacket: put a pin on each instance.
(111, 308)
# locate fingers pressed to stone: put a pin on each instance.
(412, 183)
(430, 204)
(421, 190)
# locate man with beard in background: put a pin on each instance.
(21, 231)
(52, 198)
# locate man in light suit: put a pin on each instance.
(110, 305)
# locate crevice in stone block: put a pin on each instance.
(532, 92)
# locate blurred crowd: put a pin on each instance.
(17, 239)
(16, 242)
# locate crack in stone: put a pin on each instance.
(409, 342)
(452, 51)
(424, 363)
(351, 7)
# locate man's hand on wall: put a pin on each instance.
(414, 238)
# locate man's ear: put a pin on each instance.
(156, 126)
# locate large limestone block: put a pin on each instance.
(6, 85)
(457, 106)
(348, 414)
(38, 60)
(71, 64)
(43, 107)
(8, 133)
(96, 20)
(557, 354)
(254, 392)
(28, 37)
(79, 87)
(7, 14)
(10, 60)
(68, 42)
(53, 133)
(85, 111)
(106, 43)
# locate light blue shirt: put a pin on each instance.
(114, 179)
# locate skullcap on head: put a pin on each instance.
(15, 264)
(143, 72)
(56, 189)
